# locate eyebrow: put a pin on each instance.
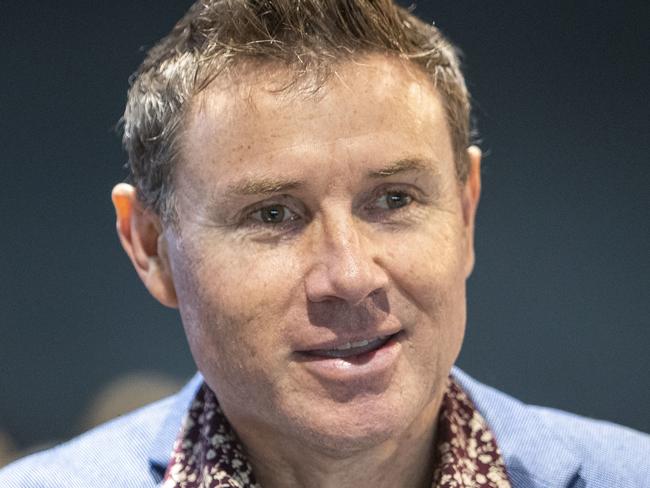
(269, 186)
(402, 166)
(263, 186)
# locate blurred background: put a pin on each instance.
(559, 309)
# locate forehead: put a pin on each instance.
(369, 109)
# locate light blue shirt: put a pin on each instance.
(542, 447)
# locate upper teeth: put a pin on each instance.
(350, 345)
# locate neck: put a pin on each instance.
(360, 471)
(407, 460)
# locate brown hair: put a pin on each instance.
(307, 36)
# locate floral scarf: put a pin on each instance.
(207, 453)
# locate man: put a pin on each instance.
(303, 190)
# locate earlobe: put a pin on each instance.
(470, 196)
(140, 233)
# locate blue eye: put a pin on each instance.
(394, 200)
(274, 214)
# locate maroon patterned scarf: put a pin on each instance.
(207, 453)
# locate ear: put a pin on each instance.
(140, 232)
(471, 193)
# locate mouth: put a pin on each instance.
(350, 349)
(370, 360)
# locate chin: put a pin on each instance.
(345, 429)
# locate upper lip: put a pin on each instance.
(341, 340)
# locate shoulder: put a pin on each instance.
(96, 458)
(133, 447)
(555, 448)
(610, 453)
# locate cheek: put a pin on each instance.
(430, 267)
(429, 273)
(230, 303)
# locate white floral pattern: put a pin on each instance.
(207, 453)
(466, 450)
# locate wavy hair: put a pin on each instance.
(306, 36)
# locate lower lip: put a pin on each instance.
(360, 367)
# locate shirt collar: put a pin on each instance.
(163, 442)
(534, 452)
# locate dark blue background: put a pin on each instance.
(558, 304)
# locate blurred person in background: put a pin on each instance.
(124, 394)
(7, 449)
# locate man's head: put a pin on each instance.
(323, 230)
(306, 38)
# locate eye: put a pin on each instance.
(393, 200)
(274, 215)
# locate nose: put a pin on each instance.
(344, 264)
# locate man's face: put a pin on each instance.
(309, 225)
